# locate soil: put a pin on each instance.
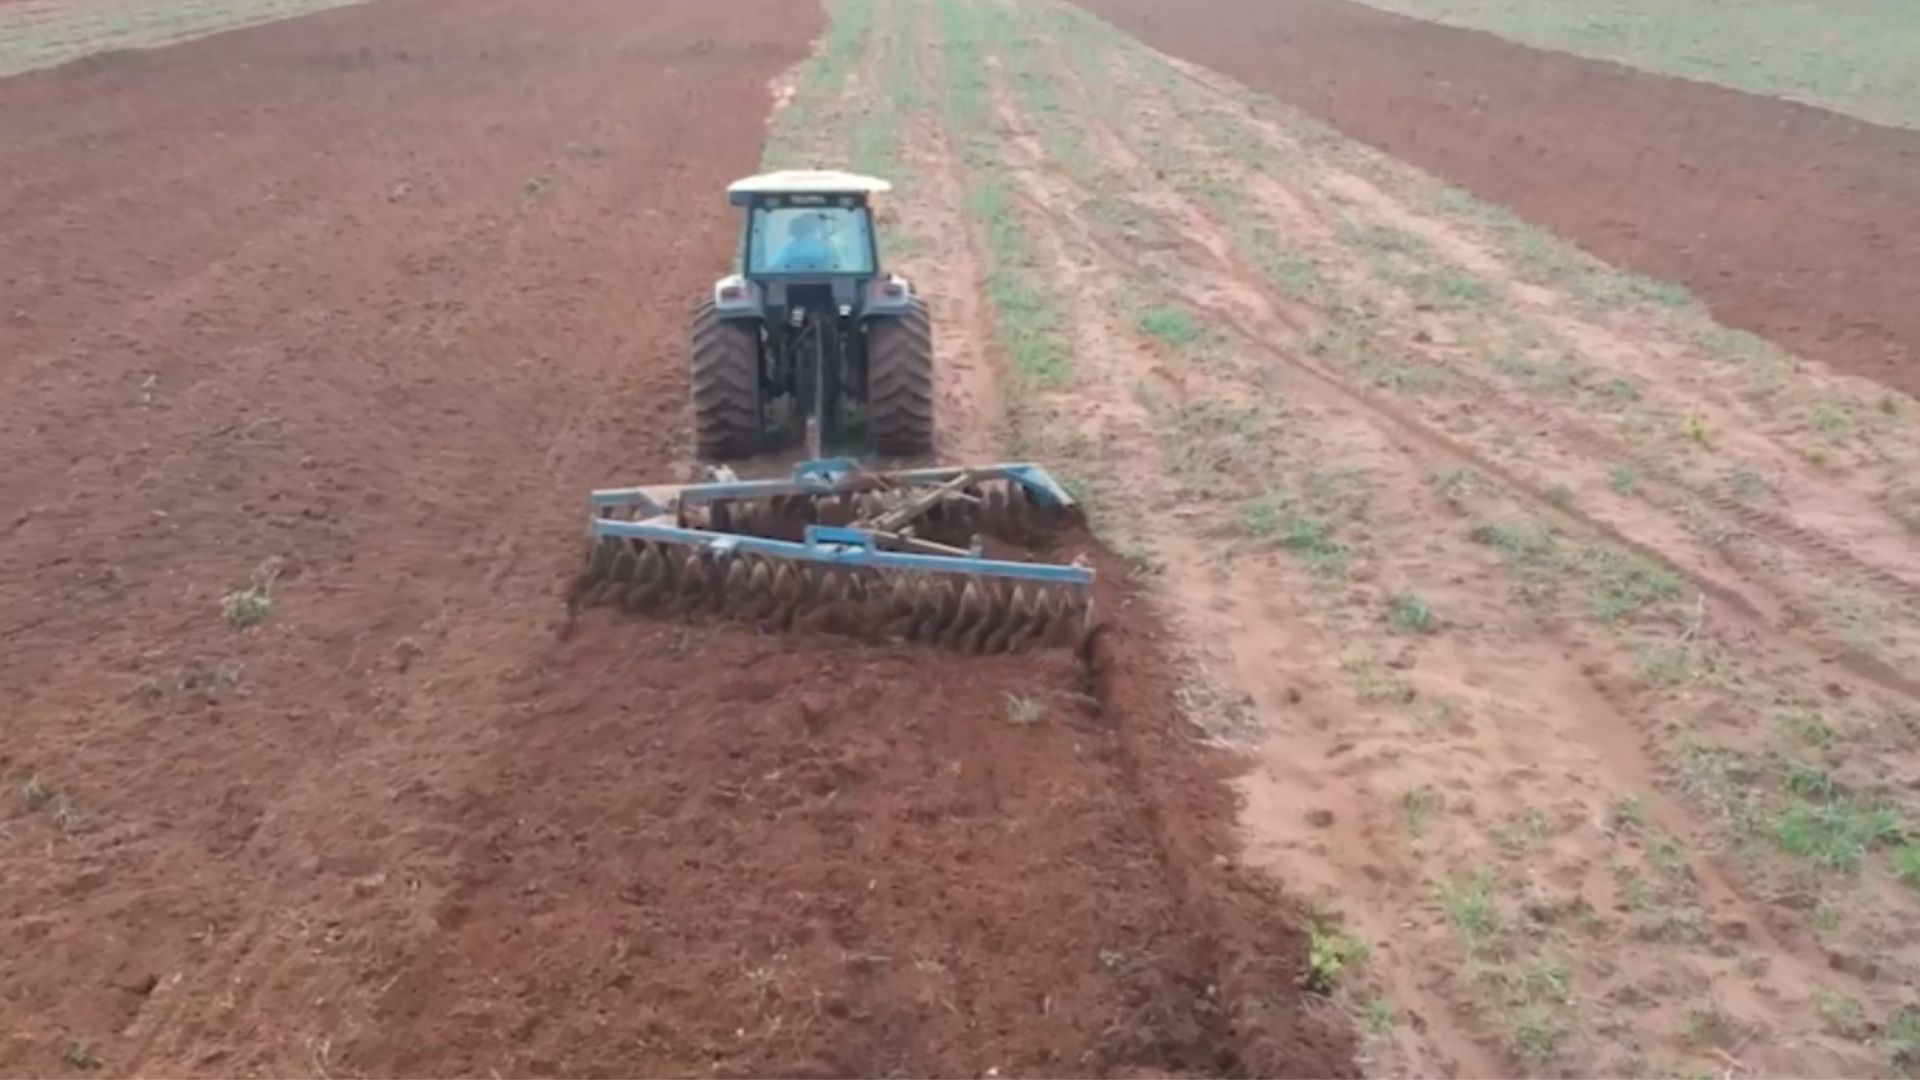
(1790, 221)
(1529, 603)
(354, 309)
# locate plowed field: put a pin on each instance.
(315, 335)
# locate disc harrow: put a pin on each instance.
(886, 555)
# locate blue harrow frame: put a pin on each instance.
(652, 514)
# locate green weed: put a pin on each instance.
(1901, 1041)
(1623, 480)
(35, 792)
(1417, 807)
(1835, 831)
(1906, 863)
(1328, 955)
(81, 1055)
(1472, 909)
(1663, 665)
(1376, 687)
(1024, 712)
(248, 607)
(1380, 1017)
(1456, 485)
(1831, 420)
(1805, 725)
(1173, 325)
(1411, 614)
(1843, 1015)
(1623, 583)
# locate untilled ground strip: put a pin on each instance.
(43, 33)
(1489, 552)
(1789, 221)
(1853, 56)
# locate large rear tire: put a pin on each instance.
(725, 356)
(900, 383)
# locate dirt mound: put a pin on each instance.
(319, 333)
(1796, 223)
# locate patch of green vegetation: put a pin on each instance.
(1294, 271)
(1307, 525)
(1905, 860)
(1383, 239)
(249, 607)
(1417, 807)
(1329, 954)
(1609, 289)
(1524, 544)
(1380, 1017)
(1025, 314)
(1353, 340)
(1377, 687)
(1024, 712)
(80, 1054)
(1624, 583)
(1546, 375)
(1473, 910)
(1748, 486)
(1695, 430)
(1558, 496)
(1525, 832)
(1663, 665)
(1449, 289)
(1174, 325)
(36, 793)
(1709, 1025)
(1805, 725)
(1900, 1043)
(1456, 485)
(1411, 614)
(1620, 390)
(1537, 1033)
(1623, 479)
(1842, 1014)
(1725, 783)
(1629, 814)
(1832, 420)
(1834, 831)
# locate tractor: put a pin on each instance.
(810, 340)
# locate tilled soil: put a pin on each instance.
(355, 308)
(1790, 221)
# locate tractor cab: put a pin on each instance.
(809, 244)
(810, 340)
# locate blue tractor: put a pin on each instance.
(811, 341)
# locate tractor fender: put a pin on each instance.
(734, 297)
(889, 297)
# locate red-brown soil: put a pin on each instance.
(363, 303)
(1793, 222)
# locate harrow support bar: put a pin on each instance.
(842, 547)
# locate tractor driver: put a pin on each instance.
(807, 246)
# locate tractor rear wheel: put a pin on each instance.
(726, 385)
(900, 383)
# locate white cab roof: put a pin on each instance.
(809, 182)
